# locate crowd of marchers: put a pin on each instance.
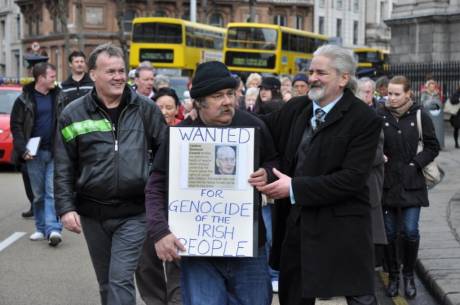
(340, 176)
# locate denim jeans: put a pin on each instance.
(40, 170)
(267, 217)
(408, 224)
(115, 246)
(226, 281)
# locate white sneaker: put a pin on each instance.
(275, 286)
(37, 236)
(54, 239)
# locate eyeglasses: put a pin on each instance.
(220, 97)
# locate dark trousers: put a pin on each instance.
(26, 180)
(158, 283)
(115, 246)
(290, 282)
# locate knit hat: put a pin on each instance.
(270, 83)
(211, 77)
(300, 77)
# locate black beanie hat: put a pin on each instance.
(211, 77)
(270, 82)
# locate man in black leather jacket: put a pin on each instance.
(102, 165)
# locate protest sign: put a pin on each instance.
(211, 205)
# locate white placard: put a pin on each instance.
(32, 146)
(211, 207)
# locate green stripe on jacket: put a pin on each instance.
(79, 128)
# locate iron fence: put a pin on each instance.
(446, 74)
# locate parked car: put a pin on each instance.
(8, 95)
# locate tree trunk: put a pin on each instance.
(121, 8)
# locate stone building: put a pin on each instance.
(378, 34)
(342, 20)
(88, 23)
(424, 31)
(10, 40)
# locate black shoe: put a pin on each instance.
(393, 287)
(409, 287)
(28, 214)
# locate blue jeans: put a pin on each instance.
(40, 170)
(267, 217)
(409, 223)
(115, 247)
(226, 281)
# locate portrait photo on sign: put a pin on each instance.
(225, 157)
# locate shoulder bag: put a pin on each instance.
(431, 171)
(450, 108)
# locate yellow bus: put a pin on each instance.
(371, 61)
(174, 44)
(269, 48)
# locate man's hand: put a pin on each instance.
(71, 221)
(278, 189)
(258, 178)
(167, 248)
(27, 156)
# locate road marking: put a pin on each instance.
(397, 300)
(13, 237)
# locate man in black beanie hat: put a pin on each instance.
(210, 280)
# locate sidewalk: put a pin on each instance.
(439, 256)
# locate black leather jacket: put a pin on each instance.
(101, 171)
(23, 118)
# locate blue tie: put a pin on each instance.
(319, 117)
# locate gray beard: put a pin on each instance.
(315, 94)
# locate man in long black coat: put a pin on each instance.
(322, 236)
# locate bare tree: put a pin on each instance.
(60, 8)
(120, 9)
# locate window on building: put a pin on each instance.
(355, 5)
(128, 17)
(339, 4)
(94, 16)
(160, 13)
(321, 25)
(321, 3)
(383, 12)
(18, 26)
(299, 22)
(216, 19)
(186, 15)
(2, 31)
(355, 32)
(57, 25)
(280, 20)
(339, 28)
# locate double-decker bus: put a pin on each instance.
(268, 48)
(371, 61)
(174, 44)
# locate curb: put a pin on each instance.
(440, 293)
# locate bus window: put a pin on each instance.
(252, 38)
(157, 33)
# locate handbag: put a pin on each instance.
(432, 172)
(451, 108)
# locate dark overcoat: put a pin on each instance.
(404, 183)
(335, 250)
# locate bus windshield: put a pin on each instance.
(252, 38)
(368, 56)
(156, 32)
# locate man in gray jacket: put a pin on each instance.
(101, 169)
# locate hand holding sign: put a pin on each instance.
(258, 178)
(278, 189)
(167, 248)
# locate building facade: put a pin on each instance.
(10, 40)
(425, 31)
(378, 34)
(342, 20)
(87, 23)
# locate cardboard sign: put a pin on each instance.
(212, 208)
